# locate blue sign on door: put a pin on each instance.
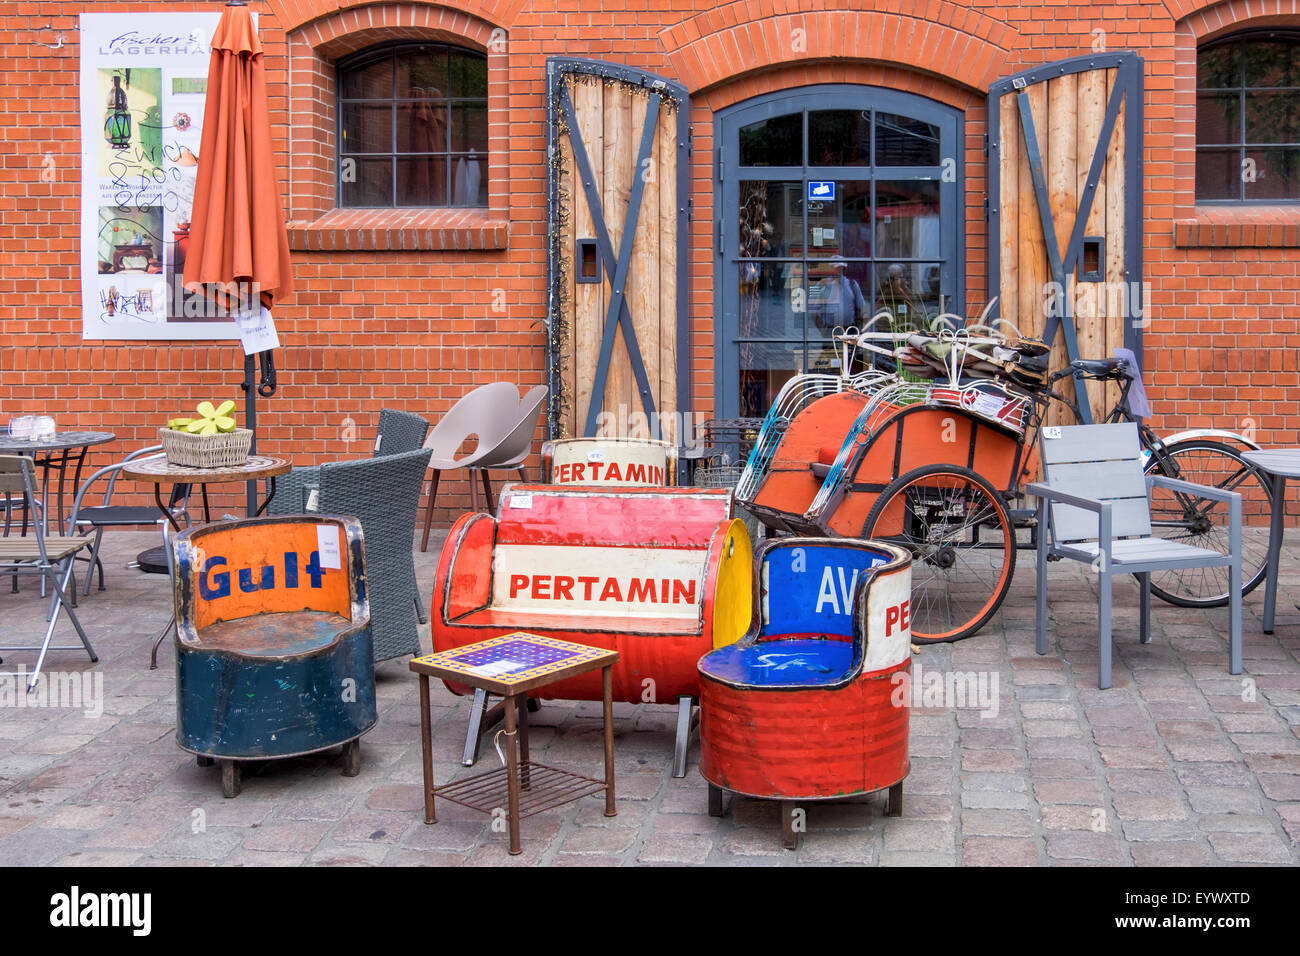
(821, 191)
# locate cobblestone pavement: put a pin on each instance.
(1178, 764)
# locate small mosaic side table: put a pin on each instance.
(510, 667)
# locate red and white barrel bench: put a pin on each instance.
(660, 575)
(642, 462)
(806, 706)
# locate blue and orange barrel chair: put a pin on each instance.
(805, 706)
(274, 655)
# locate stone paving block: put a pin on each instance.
(676, 848)
(1080, 792)
(1057, 768)
(1178, 853)
(98, 858)
(1280, 786)
(1290, 814)
(1080, 845)
(289, 836)
(1223, 800)
(597, 840)
(823, 848)
(1134, 758)
(999, 851)
(349, 854)
(1064, 748)
(1235, 823)
(1249, 848)
(997, 800)
(917, 835)
(1139, 806)
(999, 822)
(1072, 817)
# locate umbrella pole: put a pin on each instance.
(250, 419)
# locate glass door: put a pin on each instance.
(835, 203)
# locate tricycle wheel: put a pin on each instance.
(230, 782)
(963, 546)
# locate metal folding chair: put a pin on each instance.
(48, 556)
(108, 515)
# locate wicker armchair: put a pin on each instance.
(399, 432)
(384, 493)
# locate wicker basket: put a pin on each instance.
(226, 450)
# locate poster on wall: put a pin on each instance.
(144, 80)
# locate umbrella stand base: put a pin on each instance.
(153, 561)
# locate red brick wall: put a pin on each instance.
(401, 314)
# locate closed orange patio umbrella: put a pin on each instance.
(238, 243)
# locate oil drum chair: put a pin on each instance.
(273, 641)
(805, 707)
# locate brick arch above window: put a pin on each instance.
(936, 36)
(314, 47)
(1220, 226)
(296, 14)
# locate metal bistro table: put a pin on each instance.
(1279, 464)
(510, 667)
(66, 450)
(159, 472)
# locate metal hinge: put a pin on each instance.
(720, 164)
(986, 208)
(719, 230)
(986, 145)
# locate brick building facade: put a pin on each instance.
(410, 308)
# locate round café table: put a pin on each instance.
(159, 472)
(1279, 464)
(66, 450)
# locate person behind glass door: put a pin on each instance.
(839, 299)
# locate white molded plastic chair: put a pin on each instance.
(491, 414)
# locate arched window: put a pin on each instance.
(1248, 118)
(835, 202)
(413, 127)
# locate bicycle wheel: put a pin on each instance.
(962, 542)
(1203, 523)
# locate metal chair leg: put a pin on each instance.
(686, 720)
(473, 735)
(1103, 630)
(487, 492)
(428, 511)
(1144, 608)
(1040, 604)
(94, 560)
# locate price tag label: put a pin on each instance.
(596, 454)
(1052, 431)
(327, 546)
(257, 331)
(521, 501)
